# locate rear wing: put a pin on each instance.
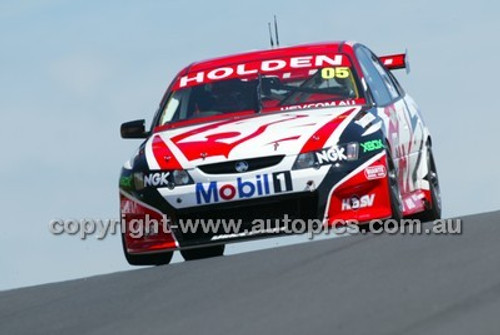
(396, 61)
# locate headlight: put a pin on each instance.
(305, 161)
(339, 153)
(352, 150)
(181, 177)
(139, 180)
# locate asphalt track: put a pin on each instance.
(372, 284)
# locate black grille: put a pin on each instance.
(295, 207)
(253, 164)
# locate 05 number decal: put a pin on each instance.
(335, 72)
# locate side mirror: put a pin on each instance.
(134, 129)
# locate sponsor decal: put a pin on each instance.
(414, 200)
(326, 104)
(266, 66)
(156, 179)
(372, 145)
(335, 72)
(126, 182)
(375, 172)
(355, 202)
(129, 207)
(260, 185)
(410, 204)
(331, 155)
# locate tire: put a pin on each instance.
(434, 212)
(394, 192)
(161, 258)
(201, 253)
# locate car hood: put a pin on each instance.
(283, 133)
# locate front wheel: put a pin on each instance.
(434, 212)
(150, 259)
(200, 253)
(147, 259)
(394, 192)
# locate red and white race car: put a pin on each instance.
(320, 131)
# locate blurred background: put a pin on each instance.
(72, 71)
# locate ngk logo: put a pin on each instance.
(357, 203)
(156, 179)
(332, 155)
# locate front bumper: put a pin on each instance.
(212, 189)
(329, 193)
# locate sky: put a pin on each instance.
(72, 71)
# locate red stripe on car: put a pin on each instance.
(164, 156)
(319, 138)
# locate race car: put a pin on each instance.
(311, 132)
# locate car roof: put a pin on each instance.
(304, 49)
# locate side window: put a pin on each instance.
(374, 80)
(396, 83)
(385, 76)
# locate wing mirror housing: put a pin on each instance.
(134, 129)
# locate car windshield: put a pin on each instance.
(272, 85)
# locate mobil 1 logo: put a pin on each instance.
(282, 181)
